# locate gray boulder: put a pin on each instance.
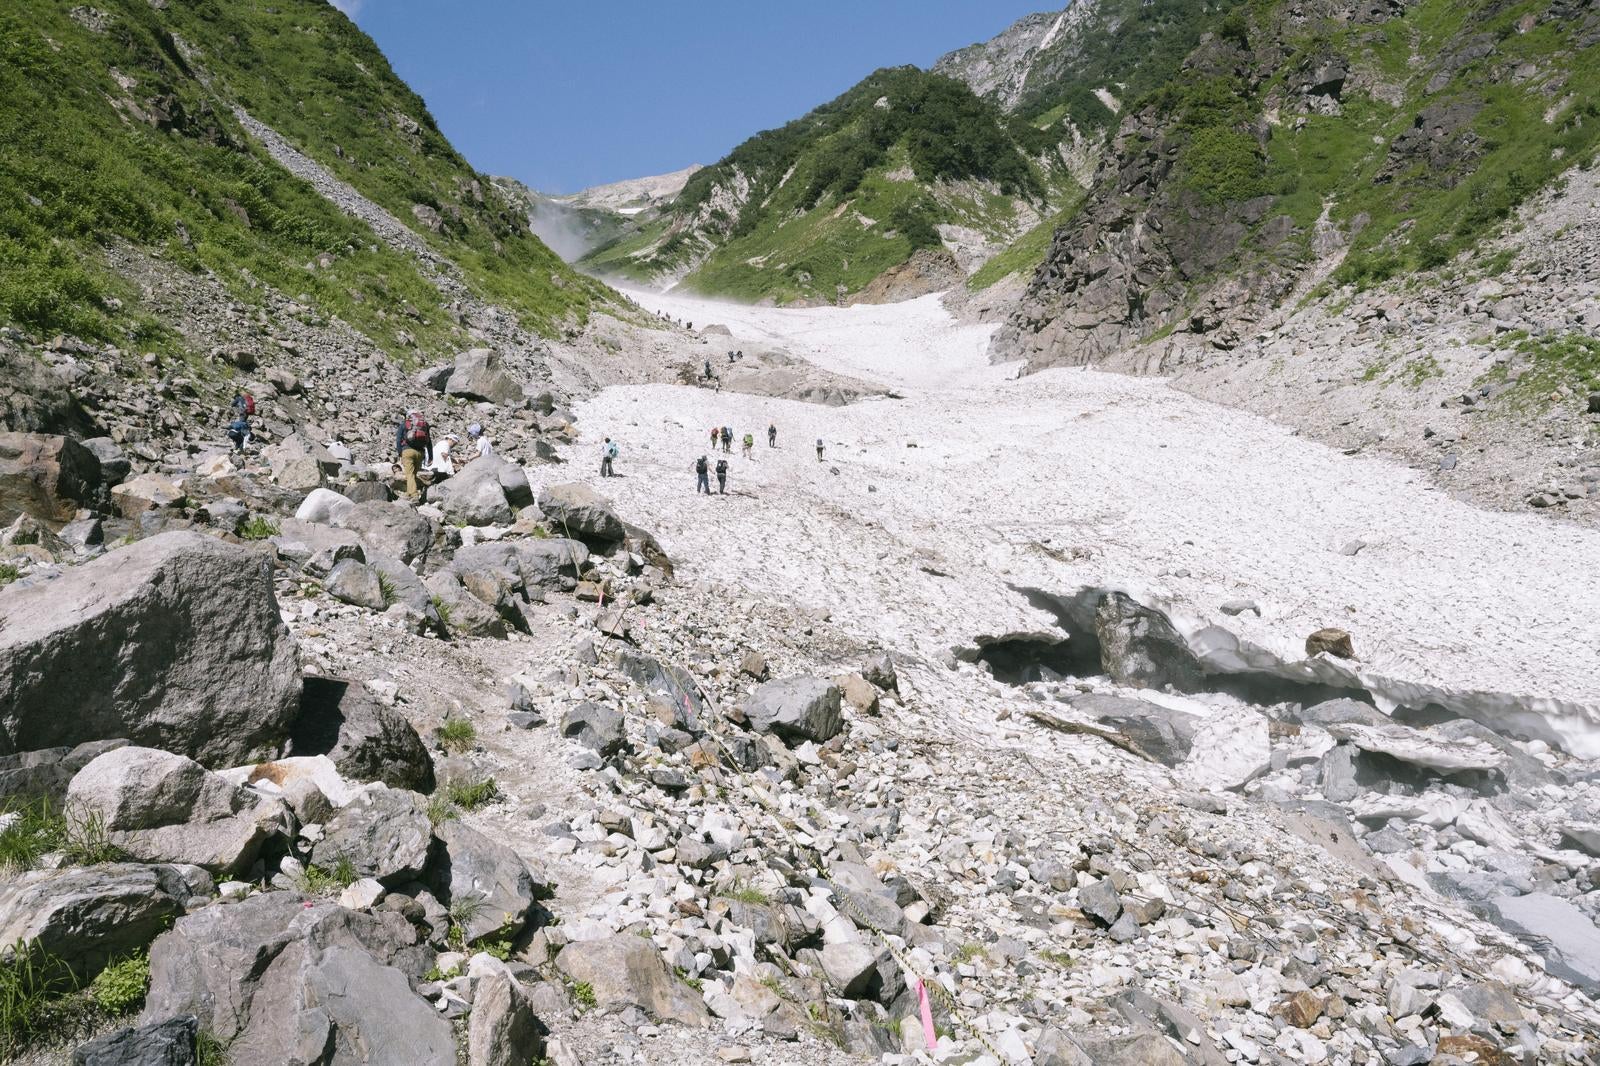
(1140, 647)
(174, 642)
(389, 529)
(160, 807)
(477, 375)
(488, 877)
(879, 669)
(1339, 712)
(87, 917)
(462, 613)
(383, 832)
(279, 981)
(504, 1030)
(1158, 733)
(475, 495)
(671, 684)
(579, 512)
(596, 726)
(798, 708)
(47, 477)
(32, 775)
(627, 971)
(1559, 931)
(366, 740)
(170, 1042)
(543, 564)
(355, 583)
(114, 463)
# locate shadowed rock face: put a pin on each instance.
(174, 643)
(280, 981)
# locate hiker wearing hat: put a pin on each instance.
(442, 463)
(413, 445)
(480, 442)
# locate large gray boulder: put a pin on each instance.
(160, 807)
(579, 512)
(463, 613)
(388, 529)
(477, 375)
(494, 885)
(797, 708)
(627, 971)
(539, 563)
(357, 584)
(366, 740)
(47, 477)
(1159, 733)
(383, 832)
(475, 496)
(1140, 647)
(87, 917)
(594, 725)
(281, 981)
(503, 1029)
(174, 642)
(170, 1042)
(1568, 941)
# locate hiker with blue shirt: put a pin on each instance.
(608, 454)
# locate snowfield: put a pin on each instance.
(931, 511)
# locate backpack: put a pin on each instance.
(611, 450)
(246, 403)
(416, 429)
(722, 467)
(700, 465)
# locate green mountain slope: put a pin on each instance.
(815, 210)
(1385, 139)
(118, 126)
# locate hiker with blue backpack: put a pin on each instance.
(608, 454)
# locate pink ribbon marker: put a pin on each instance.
(927, 1016)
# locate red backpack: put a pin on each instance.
(416, 429)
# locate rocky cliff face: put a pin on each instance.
(1000, 68)
(1376, 138)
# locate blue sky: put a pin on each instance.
(565, 95)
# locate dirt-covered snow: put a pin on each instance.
(929, 510)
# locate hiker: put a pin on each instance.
(708, 368)
(479, 442)
(442, 463)
(239, 430)
(727, 439)
(748, 442)
(722, 476)
(819, 449)
(608, 452)
(702, 477)
(244, 405)
(413, 445)
(772, 435)
(730, 358)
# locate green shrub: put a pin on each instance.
(470, 795)
(258, 528)
(8, 573)
(457, 735)
(119, 989)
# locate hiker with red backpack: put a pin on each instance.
(413, 445)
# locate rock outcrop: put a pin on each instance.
(276, 980)
(174, 643)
